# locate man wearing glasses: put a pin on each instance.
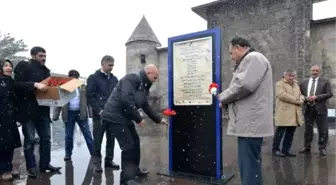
(99, 87)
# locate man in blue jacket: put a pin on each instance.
(99, 87)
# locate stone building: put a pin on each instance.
(282, 30)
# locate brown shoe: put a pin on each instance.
(7, 176)
(305, 150)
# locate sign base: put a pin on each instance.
(198, 178)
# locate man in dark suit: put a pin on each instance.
(316, 91)
(99, 87)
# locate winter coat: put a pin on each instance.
(31, 71)
(9, 133)
(288, 111)
(250, 98)
(128, 96)
(99, 88)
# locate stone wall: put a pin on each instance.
(277, 28)
(323, 39)
(134, 50)
(163, 79)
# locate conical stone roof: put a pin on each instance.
(143, 32)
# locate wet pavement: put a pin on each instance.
(302, 170)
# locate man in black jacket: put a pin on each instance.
(32, 116)
(121, 110)
(317, 91)
(99, 87)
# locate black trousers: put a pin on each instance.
(311, 116)
(99, 129)
(129, 143)
(6, 158)
(287, 133)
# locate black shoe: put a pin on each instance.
(130, 182)
(50, 168)
(32, 172)
(111, 164)
(98, 168)
(323, 152)
(67, 158)
(142, 173)
(305, 150)
(279, 154)
(288, 154)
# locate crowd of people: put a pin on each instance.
(249, 99)
(112, 103)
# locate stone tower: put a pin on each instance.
(141, 49)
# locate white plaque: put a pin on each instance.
(192, 61)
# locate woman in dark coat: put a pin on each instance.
(9, 133)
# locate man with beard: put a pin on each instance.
(32, 116)
(121, 110)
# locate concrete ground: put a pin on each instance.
(308, 170)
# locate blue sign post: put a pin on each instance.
(195, 132)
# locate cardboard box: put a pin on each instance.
(58, 96)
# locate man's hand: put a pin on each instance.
(164, 121)
(299, 101)
(220, 105)
(41, 87)
(311, 98)
(142, 123)
(100, 113)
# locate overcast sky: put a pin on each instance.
(77, 33)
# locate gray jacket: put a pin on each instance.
(84, 112)
(250, 98)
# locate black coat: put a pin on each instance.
(9, 133)
(31, 71)
(99, 88)
(323, 93)
(128, 96)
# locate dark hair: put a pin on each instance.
(239, 41)
(107, 58)
(2, 63)
(36, 50)
(74, 73)
(289, 71)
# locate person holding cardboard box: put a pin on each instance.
(10, 137)
(75, 111)
(99, 87)
(32, 116)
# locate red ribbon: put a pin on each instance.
(169, 112)
(212, 85)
